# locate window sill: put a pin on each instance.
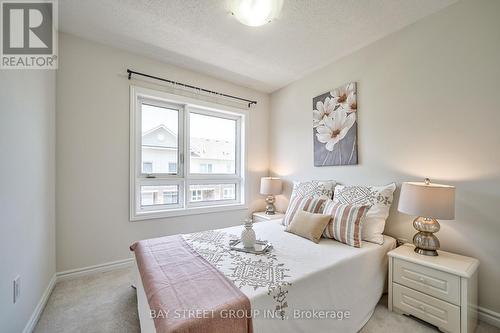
(186, 212)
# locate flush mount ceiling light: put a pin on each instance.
(255, 13)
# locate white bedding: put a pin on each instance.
(298, 277)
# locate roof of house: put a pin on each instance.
(161, 137)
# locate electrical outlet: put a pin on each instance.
(16, 288)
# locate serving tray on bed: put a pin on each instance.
(260, 246)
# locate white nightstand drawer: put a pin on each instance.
(430, 281)
(442, 314)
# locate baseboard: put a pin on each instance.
(30, 326)
(488, 316)
(94, 269)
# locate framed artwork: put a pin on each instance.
(335, 127)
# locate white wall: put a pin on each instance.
(27, 212)
(429, 106)
(93, 154)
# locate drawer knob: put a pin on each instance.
(422, 308)
(422, 280)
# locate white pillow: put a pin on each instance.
(378, 197)
(313, 189)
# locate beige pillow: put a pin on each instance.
(308, 225)
(309, 204)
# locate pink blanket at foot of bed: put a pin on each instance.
(186, 293)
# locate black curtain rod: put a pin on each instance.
(130, 72)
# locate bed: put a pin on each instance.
(299, 286)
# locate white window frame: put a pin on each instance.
(183, 179)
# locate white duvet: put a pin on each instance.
(299, 286)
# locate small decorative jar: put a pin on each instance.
(248, 235)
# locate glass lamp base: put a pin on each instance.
(270, 209)
(426, 252)
(426, 243)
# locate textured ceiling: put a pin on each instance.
(201, 34)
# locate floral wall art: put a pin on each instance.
(335, 127)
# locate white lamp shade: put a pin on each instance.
(270, 186)
(427, 200)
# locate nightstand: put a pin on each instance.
(261, 216)
(440, 290)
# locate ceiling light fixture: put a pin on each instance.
(255, 13)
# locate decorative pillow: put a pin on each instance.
(380, 200)
(311, 205)
(313, 188)
(346, 222)
(308, 225)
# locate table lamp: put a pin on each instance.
(429, 202)
(270, 186)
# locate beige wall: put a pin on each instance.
(27, 211)
(429, 106)
(93, 154)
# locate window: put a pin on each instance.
(160, 124)
(170, 197)
(196, 195)
(172, 167)
(228, 192)
(205, 168)
(152, 195)
(147, 167)
(212, 144)
(186, 155)
(212, 192)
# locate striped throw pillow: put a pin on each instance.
(309, 204)
(346, 222)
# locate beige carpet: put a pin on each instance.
(105, 302)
